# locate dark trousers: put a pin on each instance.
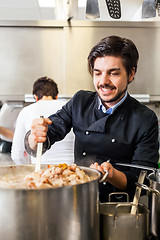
(5, 147)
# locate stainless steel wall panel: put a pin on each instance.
(59, 49)
(79, 41)
(27, 53)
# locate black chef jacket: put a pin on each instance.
(129, 135)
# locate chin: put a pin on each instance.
(107, 99)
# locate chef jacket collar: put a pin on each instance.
(112, 109)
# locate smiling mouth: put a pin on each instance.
(106, 88)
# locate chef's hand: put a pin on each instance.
(104, 166)
(39, 130)
(115, 177)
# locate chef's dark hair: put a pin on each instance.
(118, 47)
(45, 87)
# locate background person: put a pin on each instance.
(108, 123)
(45, 92)
(8, 117)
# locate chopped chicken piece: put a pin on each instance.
(73, 167)
(67, 173)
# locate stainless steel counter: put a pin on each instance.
(5, 159)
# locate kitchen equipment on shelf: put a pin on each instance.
(69, 212)
(117, 222)
(149, 9)
(69, 10)
(92, 9)
(114, 8)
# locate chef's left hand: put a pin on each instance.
(104, 166)
(115, 177)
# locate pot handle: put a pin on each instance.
(118, 215)
(118, 194)
(123, 205)
(137, 166)
(149, 189)
(102, 180)
(104, 176)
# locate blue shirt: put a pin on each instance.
(112, 109)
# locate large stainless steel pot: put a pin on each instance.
(154, 201)
(154, 196)
(64, 213)
(117, 222)
(155, 204)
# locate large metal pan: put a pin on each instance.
(154, 196)
(64, 213)
(117, 222)
(154, 201)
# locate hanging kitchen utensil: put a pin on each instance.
(138, 192)
(69, 10)
(114, 8)
(39, 154)
(92, 9)
(149, 9)
(158, 7)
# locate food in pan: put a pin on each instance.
(56, 176)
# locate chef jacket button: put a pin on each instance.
(121, 117)
(113, 140)
(87, 132)
(84, 153)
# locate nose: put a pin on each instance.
(105, 79)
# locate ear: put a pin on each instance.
(131, 76)
(36, 97)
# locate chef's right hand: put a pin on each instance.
(39, 130)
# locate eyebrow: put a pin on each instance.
(109, 70)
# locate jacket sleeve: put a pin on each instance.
(147, 145)
(61, 123)
(33, 153)
(146, 152)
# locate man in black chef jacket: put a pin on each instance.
(108, 124)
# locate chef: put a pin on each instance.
(109, 125)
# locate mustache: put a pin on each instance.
(106, 86)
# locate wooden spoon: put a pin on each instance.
(39, 155)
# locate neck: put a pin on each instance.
(44, 98)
